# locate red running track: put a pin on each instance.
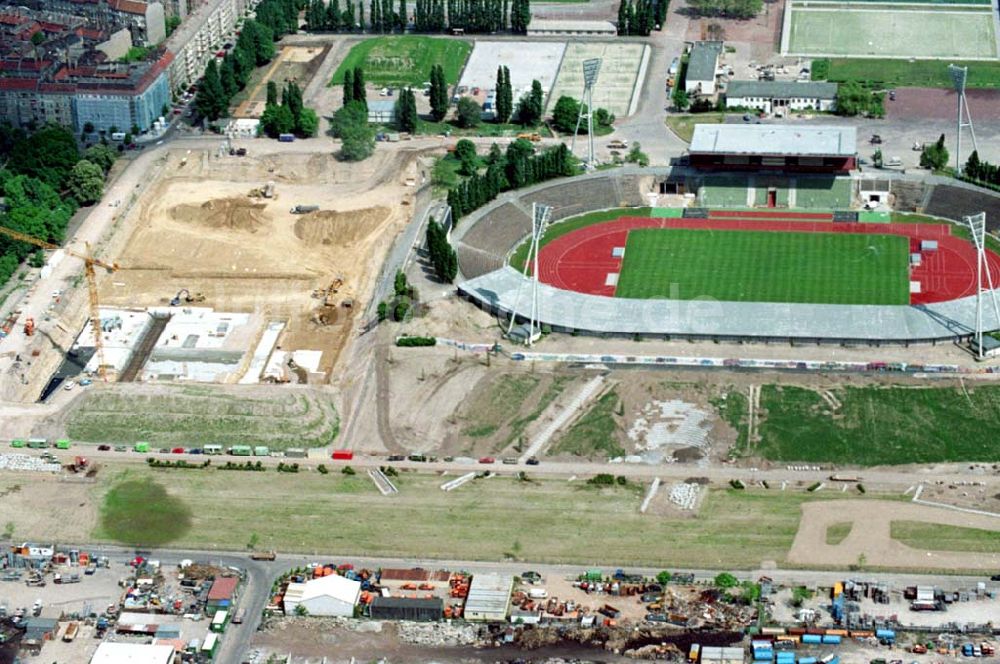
(582, 260)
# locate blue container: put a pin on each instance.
(762, 655)
(835, 660)
(812, 638)
(831, 639)
(785, 656)
(885, 634)
(807, 660)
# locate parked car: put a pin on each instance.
(177, 450)
(487, 459)
(656, 617)
(121, 448)
(532, 461)
(396, 457)
(510, 461)
(164, 450)
(195, 450)
(531, 577)
(103, 448)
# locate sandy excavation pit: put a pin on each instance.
(199, 228)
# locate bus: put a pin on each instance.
(212, 449)
(38, 443)
(210, 646)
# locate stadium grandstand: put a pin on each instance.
(763, 148)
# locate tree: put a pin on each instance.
(227, 76)
(741, 9)
(210, 102)
(37, 38)
(529, 107)
(86, 182)
(505, 95)
(623, 18)
(439, 94)
(308, 123)
(272, 92)
(935, 155)
(406, 111)
(565, 114)
(637, 156)
(359, 87)
(663, 578)
(854, 99)
(88, 127)
(520, 16)
(277, 120)
(603, 118)
(291, 97)
(348, 86)
(465, 152)
(469, 113)
(350, 124)
(973, 166)
(102, 155)
(441, 254)
(726, 580)
(877, 159)
(48, 155)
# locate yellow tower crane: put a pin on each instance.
(88, 269)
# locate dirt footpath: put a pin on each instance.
(870, 536)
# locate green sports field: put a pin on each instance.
(762, 266)
(930, 31)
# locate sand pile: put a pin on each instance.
(332, 227)
(236, 213)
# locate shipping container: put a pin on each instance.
(38, 443)
(18, 443)
(212, 449)
(831, 639)
(260, 450)
(807, 660)
(772, 631)
(343, 455)
(295, 453)
(240, 450)
(141, 447)
(887, 634)
(210, 646)
(63, 444)
(219, 621)
(812, 638)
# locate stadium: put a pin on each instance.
(765, 233)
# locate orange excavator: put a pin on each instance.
(88, 268)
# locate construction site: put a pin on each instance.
(220, 268)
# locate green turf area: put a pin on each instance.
(571, 224)
(761, 266)
(405, 60)
(193, 416)
(683, 125)
(838, 532)
(483, 520)
(902, 73)
(903, 32)
(594, 434)
(141, 512)
(940, 537)
(880, 425)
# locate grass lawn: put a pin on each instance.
(593, 435)
(195, 415)
(683, 125)
(484, 130)
(937, 537)
(141, 512)
(881, 426)
(571, 224)
(498, 404)
(544, 520)
(838, 532)
(405, 60)
(917, 73)
(761, 266)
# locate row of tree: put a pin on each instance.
(567, 111)
(981, 171)
(406, 111)
(289, 116)
(254, 47)
(741, 9)
(518, 167)
(44, 180)
(354, 87)
(472, 16)
(641, 17)
(441, 254)
(504, 103)
(438, 93)
(935, 155)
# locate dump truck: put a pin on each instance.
(304, 209)
(72, 630)
(263, 555)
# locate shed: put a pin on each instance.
(40, 629)
(489, 597)
(331, 595)
(133, 653)
(221, 594)
(928, 245)
(915, 258)
(407, 608)
(991, 346)
(381, 111)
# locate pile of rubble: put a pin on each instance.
(25, 462)
(684, 495)
(435, 634)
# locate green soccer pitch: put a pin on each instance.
(764, 266)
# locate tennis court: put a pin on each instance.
(917, 30)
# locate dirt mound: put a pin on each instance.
(332, 227)
(236, 213)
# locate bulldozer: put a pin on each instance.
(185, 295)
(327, 294)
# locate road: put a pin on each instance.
(261, 575)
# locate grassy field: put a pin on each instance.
(405, 60)
(830, 268)
(195, 415)
(838, 532)
(881, 426)
(499, 404)
(683, 125)
(571, 224)
(903, 73)
(593, 435)
(141, 512)
(541, 520)
(937, 537)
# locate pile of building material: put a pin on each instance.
(25, 462)
(684, 495)
(437, 634)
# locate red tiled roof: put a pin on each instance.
(128, 6)
(18, 83)
(24, 64)
(90, 33)
(223, 588)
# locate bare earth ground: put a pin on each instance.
(43, 507)
(296, 64)
(870, 536)
(759, 37)
(939, 104)
(198, 229)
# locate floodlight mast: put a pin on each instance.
(539, 222)
(958, 79)
(977, 225)
(591, 68)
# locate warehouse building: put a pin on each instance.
(489, 598)
(221, 595)
(408, 608)
(331, 595)
(777, 96)
(133, 653)
(541, 27)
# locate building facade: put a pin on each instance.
(773, 147)
(702, 67)
(201, 36)
(777, 96)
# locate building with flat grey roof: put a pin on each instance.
(489, 597)
(541, 27)
(703, 63)
(764, 147)
(775, 96)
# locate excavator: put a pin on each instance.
(185, 295)
(89, 262)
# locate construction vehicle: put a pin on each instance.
(89, 262)
(263, 555)
(72, 630)
(304, 209)
(29, 327)
(79, 464)
(185, 294)
(534, 137)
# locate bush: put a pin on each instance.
(726, 580)
(322, 469)
(737, 484)
(820, 69)
(416, 341)
(347, 470)
(861, 488)
(814, 486)
(602, 479)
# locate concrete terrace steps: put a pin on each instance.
(542, 438)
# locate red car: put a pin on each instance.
(177, 450)
(487, 460)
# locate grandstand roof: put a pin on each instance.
(782, 89)
(772, 139)
(506, 290)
